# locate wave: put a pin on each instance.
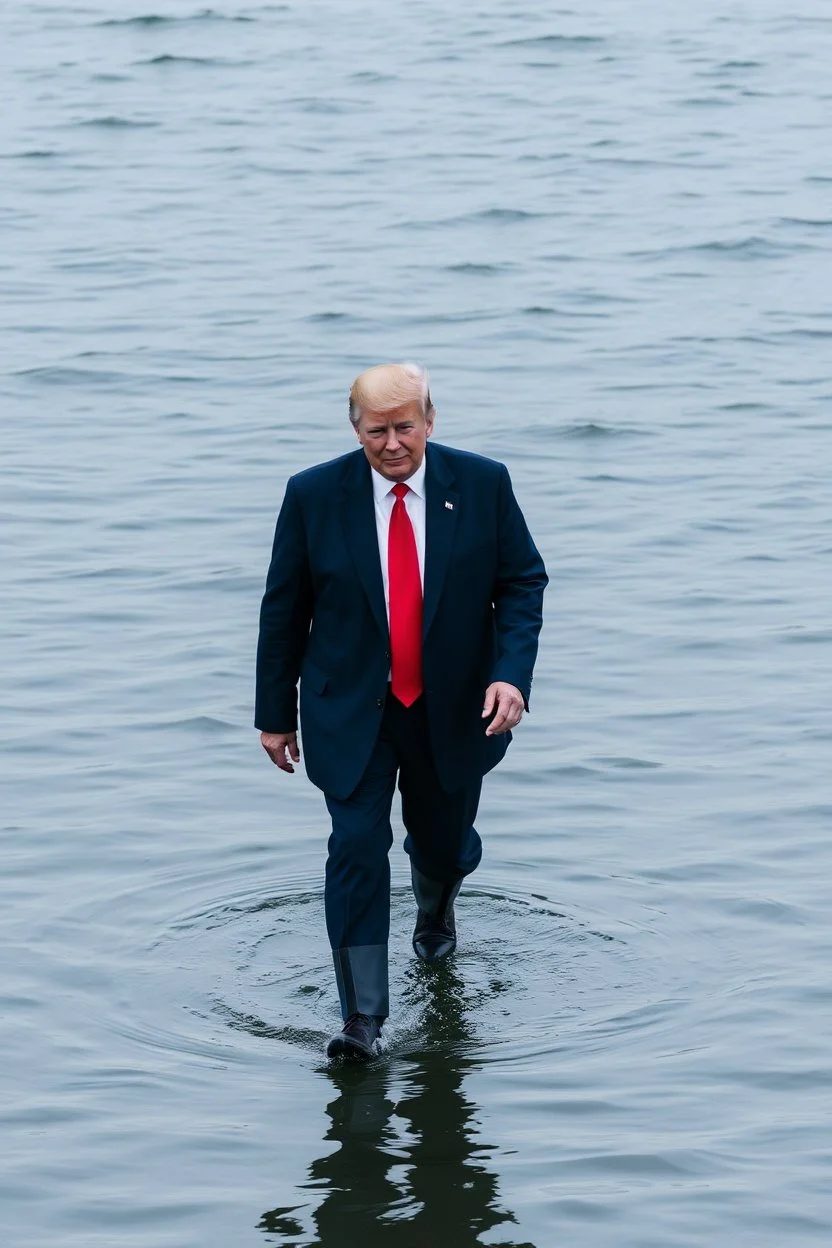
(566, 41)
(113, 122)
(167, 19)
(167, 58)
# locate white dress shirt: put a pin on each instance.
(414, 501)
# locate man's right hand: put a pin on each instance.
(277, 744)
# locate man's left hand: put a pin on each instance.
(507, 701)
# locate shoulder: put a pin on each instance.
(328, 475)
(467, 464)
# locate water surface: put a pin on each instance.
(606, 229)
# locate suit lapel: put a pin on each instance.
(359, 519)
(441, 508)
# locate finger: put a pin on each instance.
(490, 695)
(498, 723)
(282, 761)
(294, 752)
(516, 712)
(277, 753)
(512, 710)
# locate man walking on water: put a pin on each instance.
(405, 593)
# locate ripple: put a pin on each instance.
(504, 214)
(554, 40)
(753, 247)
(814, 223)
(33, 154)
(627, 763)
(167, 19)
(322, 318)
(65, 375)
(476, 270)
(257, 963)
(113, 122)
(592, 430)
(168, 58)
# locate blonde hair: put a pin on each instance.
(390, 385)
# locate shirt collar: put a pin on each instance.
(382, 487)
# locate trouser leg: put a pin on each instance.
(442, 842)
(357, 892)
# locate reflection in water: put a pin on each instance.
(409, 1173)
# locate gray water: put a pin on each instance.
(606, 229)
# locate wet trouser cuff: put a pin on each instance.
(433, 896)
(361, 975)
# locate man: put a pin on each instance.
(405, 593)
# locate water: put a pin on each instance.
(606, 229)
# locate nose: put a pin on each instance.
(392, 443)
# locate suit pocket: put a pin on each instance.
(312, 677)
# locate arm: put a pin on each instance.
(518, 596)
(285, 616)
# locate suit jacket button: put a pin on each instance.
(379, 702)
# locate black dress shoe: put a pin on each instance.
(358, 1040)
(435, 938)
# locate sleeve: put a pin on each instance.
(285, 617)
(518, 594)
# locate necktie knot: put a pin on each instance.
(400, 489)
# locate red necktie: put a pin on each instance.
(405, 584)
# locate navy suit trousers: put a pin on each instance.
(441, 840)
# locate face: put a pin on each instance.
(394, 440)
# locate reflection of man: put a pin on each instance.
(405, 593)
(412, 1166)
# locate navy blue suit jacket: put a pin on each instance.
(323, 618)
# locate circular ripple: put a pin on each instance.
(214, 962)
(521, 959)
